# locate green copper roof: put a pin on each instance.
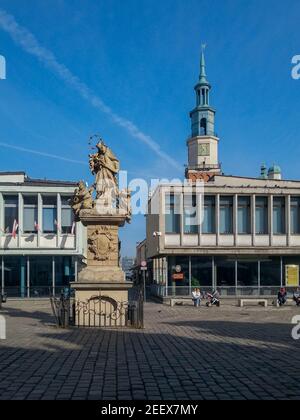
(275, 169)
(263, 171)
(203, 78)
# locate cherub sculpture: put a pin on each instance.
(82, 198)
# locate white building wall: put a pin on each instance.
(39, 243)
(235, 242)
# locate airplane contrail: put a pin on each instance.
(65, 159)
(40, 153)
(24, 38)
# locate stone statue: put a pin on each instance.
(105, 166)
(101, 275)
(82, 198)
(124, 204)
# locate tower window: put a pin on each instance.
(203, 96)
(198, 97)
(203, 127)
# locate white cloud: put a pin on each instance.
(30, 44)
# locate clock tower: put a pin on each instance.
(203, 144)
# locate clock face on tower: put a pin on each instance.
(203, 149)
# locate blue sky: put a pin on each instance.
(141, 58)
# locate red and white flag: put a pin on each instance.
(36, 226)
(73, 228)
(14, 229)
(57, 225)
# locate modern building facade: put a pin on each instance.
(127, 266)
(246, 240)
(40, 244)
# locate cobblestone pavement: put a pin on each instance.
(183, 353)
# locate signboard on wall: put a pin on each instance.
(292, 275)
(178, 276)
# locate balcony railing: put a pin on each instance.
(204, 167)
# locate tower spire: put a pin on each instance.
(202, 77)
(203, 143)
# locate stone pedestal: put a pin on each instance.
(101, 292)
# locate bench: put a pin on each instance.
(289, 301)
(181, 301)
(263, 302)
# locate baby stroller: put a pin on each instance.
(213, 299)
(296, 297)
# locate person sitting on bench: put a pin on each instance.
(196, 297)
(282, 296)
(296, 296)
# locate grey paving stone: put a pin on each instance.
(228, 353)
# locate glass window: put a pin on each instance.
(209, 224)
(64, 271)
(279, 215)
(49, 214)
(157, 270)
(178, 280)
(295, 215)
(15, 276)
(40, 276)
(247, 273)
(270, 272)
(225, 272)
(30, 214)
(67, 215)
(190, 214)
(201, 272)
(226, 215)
(172, 213)
(244, 215)
(11, 208)
(261, 215)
